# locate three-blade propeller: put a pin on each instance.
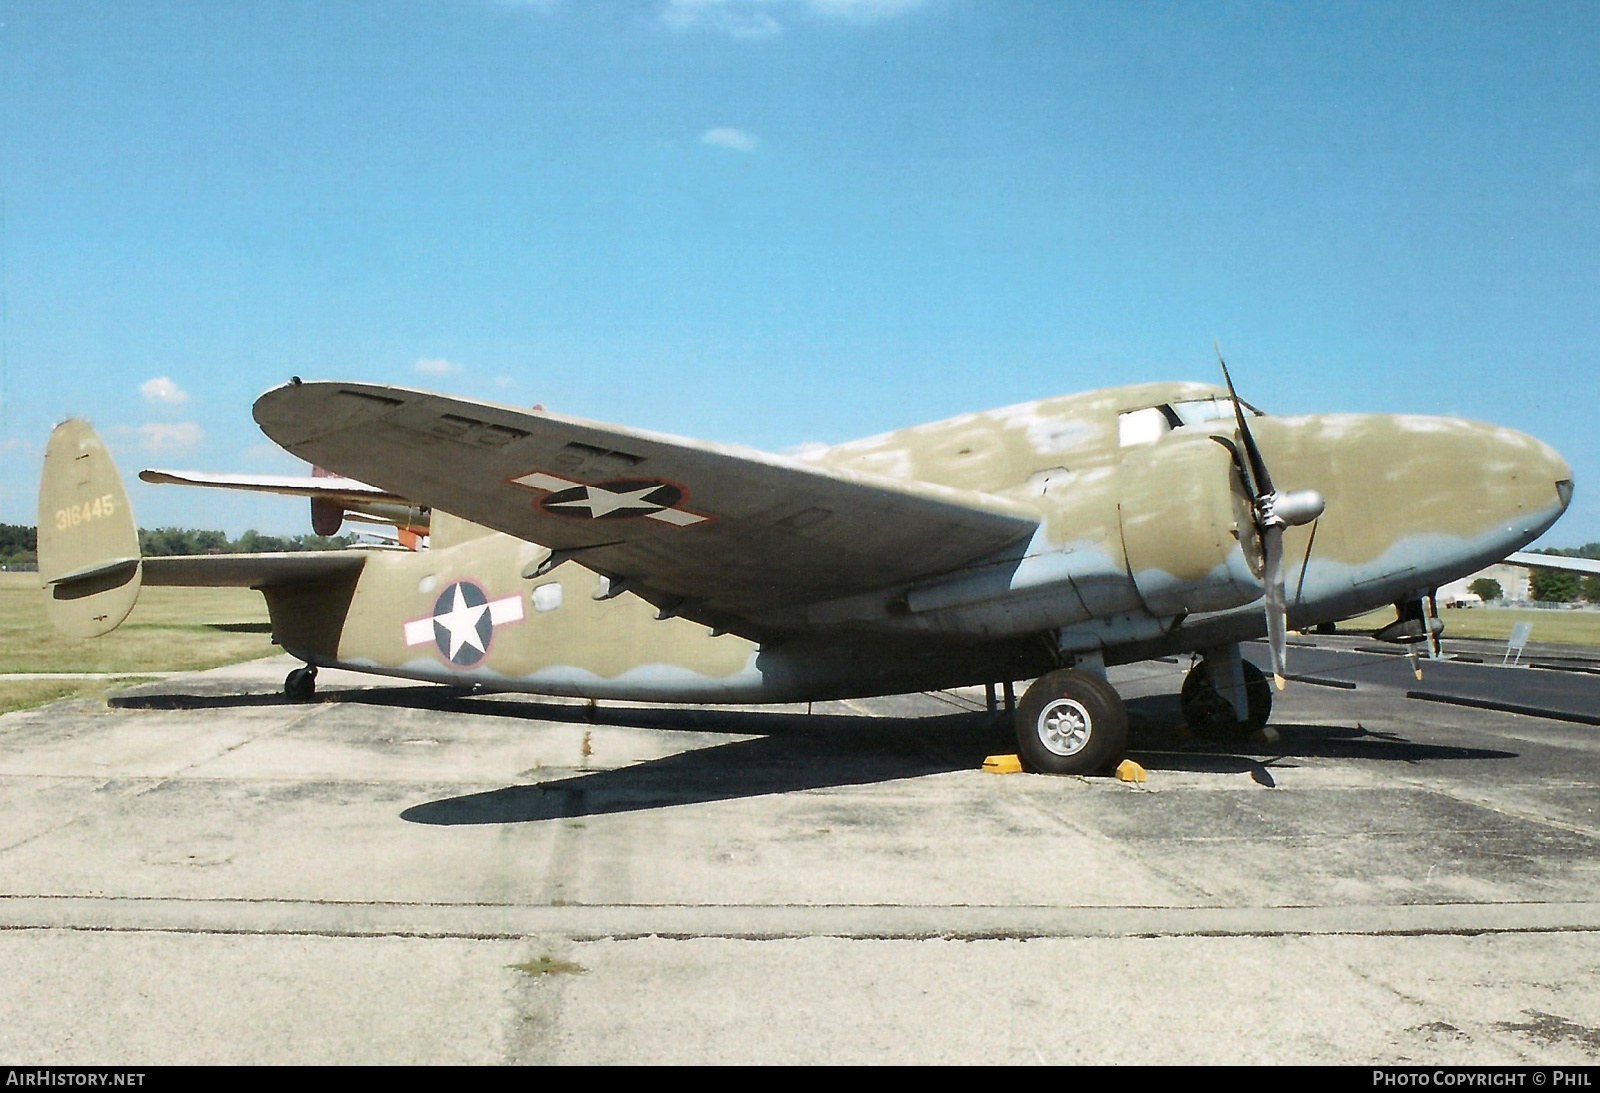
(1272, 510)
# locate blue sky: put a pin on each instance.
(782, 221)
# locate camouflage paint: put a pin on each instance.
(1141, 549)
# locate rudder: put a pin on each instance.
(88, 542)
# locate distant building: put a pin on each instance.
(1513, 584)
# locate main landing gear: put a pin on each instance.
(1213, 690)
(1071, 722)
(301, 683)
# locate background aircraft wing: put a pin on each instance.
(346, 491)
(729, 536)
(1556, 562)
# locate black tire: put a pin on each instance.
(1071, 722)
(1210, 715)
(300, 684)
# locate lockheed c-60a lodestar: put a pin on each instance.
(1042, 541)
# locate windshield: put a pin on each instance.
(1200, 411)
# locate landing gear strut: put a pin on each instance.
(301, 683)
(1209, 708)
(1071, 722)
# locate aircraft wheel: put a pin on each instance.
(1211, 715)
(1071, 722)
(301, 684)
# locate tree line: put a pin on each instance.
(1566, 587)
(20, 543)
(1547, 587)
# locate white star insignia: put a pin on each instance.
(600, 501)
(462, 623)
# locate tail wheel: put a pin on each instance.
(1213, 716)
(1071, 722)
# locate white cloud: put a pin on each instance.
(726, 137)
(862, 11)
(164, 391)
(437, 366)
(740, 18)
(169, 438)
(761, 18)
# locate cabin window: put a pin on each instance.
(547, 597)
(1143, 426)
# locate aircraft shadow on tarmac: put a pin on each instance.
(789, 752)
(793, 752)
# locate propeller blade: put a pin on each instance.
(1277, 618)
(1271, 512)
(1258, 466)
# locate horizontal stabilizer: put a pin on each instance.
(93, 572)
(253, 570)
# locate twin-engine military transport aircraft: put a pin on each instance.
(1043, 541)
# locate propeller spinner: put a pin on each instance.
(1272, 510)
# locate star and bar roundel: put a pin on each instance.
(463, 623)
(616, 499)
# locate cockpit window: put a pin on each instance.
(1149, 424)
(1200, 411)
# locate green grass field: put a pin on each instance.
(1495, 623)
(170, 630)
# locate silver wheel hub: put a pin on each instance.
(1065, 727)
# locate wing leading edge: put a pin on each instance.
(729, 536)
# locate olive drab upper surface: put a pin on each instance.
(88, 544)
(580, 558)
(1100, 506)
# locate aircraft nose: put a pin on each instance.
(1524, 483)
(1485, 487)
(1416, 501)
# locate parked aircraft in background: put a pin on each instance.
(1043, 541)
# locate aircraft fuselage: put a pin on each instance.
(1144, 547)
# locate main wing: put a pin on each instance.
(733, 537)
